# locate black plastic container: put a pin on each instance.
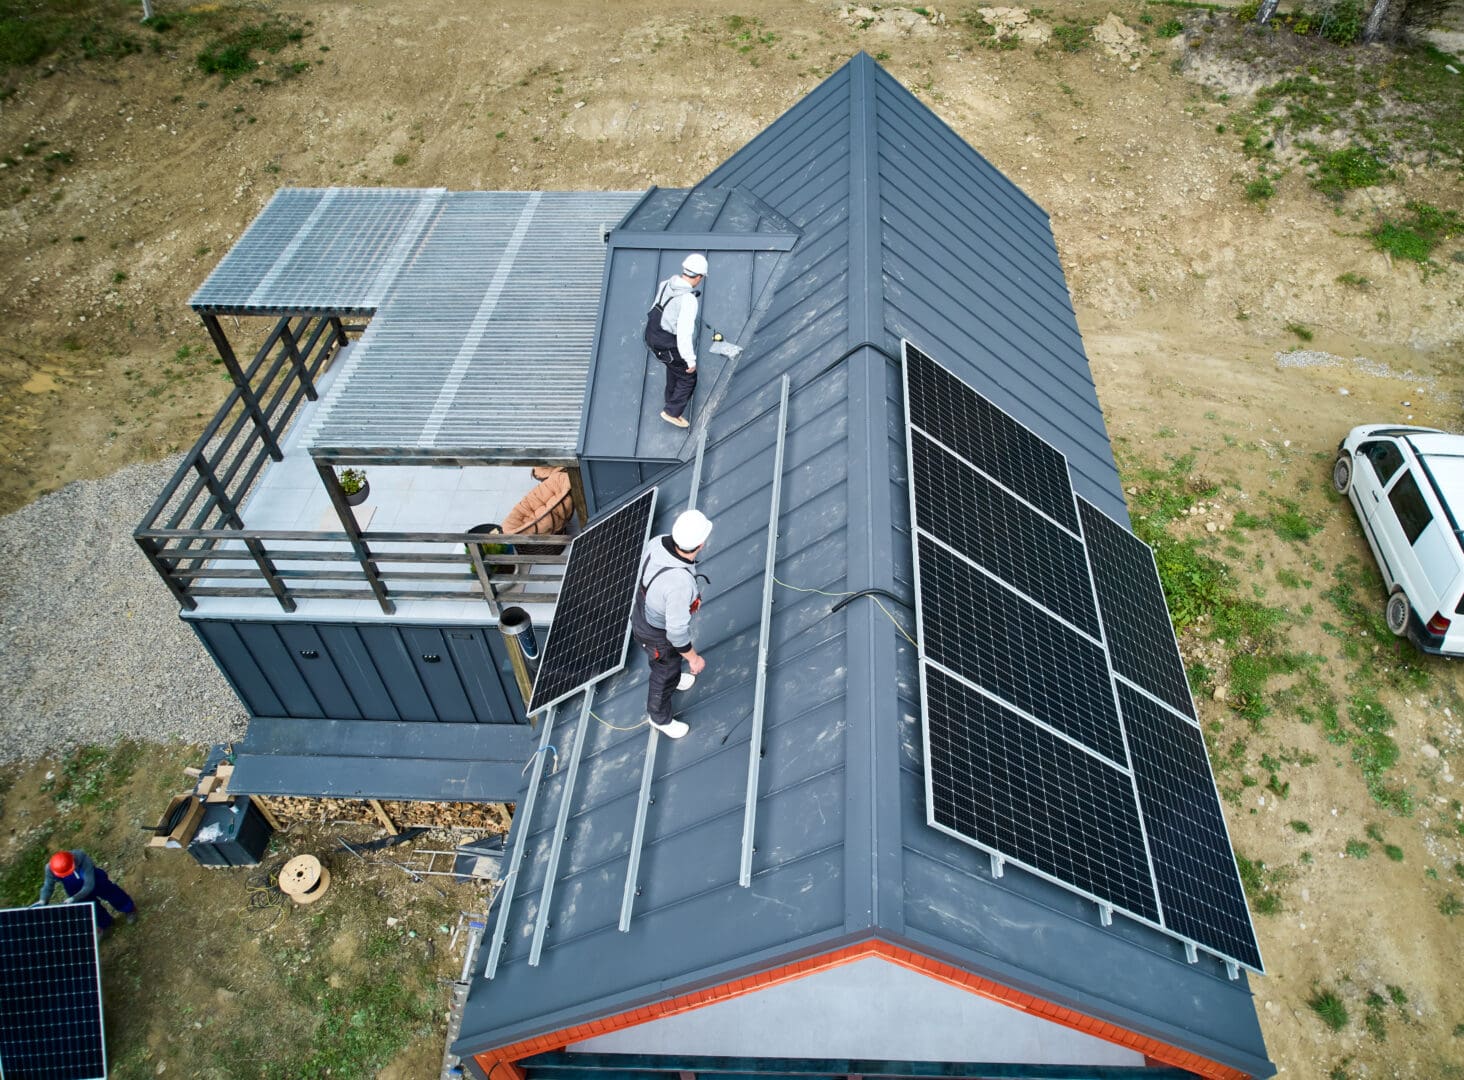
(243, 834)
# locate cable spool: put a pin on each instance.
(304, 880)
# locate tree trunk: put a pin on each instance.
(1375, 21)
(1268, 8)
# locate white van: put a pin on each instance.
(1405, 483)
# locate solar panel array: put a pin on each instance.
(591, 628)
(50, 994)
(1060, 732)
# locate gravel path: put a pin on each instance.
(91, 646)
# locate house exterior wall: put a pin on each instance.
(383, 672)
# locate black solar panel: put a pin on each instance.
(1025, 753)
(983, 631)
(591, 627)
(1018, 790)
(1001, 533)
(958, 417)
(1198, 885)
(1131, 603)
(50, 994)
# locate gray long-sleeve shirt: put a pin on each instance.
(679, 315)
(84, 866)
(670, 595)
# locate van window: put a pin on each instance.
(1413, 513)
(1385, 458)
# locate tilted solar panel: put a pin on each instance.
(963, 421)
(998, 531)
(1135, 618)
(1199, 886)
(50, 994)
(988, 634)
(1018, 790)
(590, 631)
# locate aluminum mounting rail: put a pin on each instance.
(754, 746)
(521, 820)
(541, 923)
(648, 767)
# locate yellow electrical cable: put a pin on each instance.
(822, 592)
(612, 727)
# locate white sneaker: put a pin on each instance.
(672, 729)
(688, 680)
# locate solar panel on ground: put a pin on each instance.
(1198, 884)
(988, 634)
(1017, 790)
(1029, 636)
(50, 994)
(1135, 619)
(590, 631)
(960, 419)
(1001, 533)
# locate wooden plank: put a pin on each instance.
(382, 815)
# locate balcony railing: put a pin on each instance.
(196, 539)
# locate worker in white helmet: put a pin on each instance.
(666, 596)
(671, 329)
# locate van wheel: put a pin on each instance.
(1342, 474)
(1397, 613)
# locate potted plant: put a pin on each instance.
(488, 549)
(354, 486)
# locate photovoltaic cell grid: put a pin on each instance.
(1008, 785)
(1017, 789)
(50, 995)
(959, 418)
(1135, 621)
(591, 627)
(984, 632)
(1198, 885)
(1002, 534)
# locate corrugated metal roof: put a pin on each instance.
(319, 250)
(482, 346)
(904, 231)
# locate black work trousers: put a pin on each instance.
(680, 382)
(665, 669)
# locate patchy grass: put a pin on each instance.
(36, 30)
(1072, 36)
(1416, 236)
(1329, 1008)
(1340, 171)
(232, 53)
(1262, 884)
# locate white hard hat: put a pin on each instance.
(694, 265)
(691, 530)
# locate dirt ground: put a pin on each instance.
(1184, 293)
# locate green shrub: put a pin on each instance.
(1329, 1007)
(233, 54)
(1260, 189)
(1172, 28)
(1341, 21)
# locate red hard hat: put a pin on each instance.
(62, 864)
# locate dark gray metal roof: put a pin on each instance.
(319, 250)
(904, 231)
(744, 241)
